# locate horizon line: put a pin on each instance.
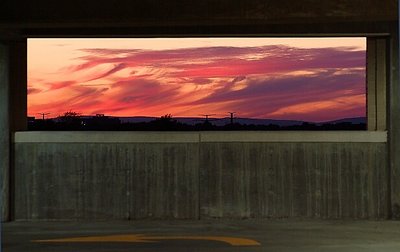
(203, 118)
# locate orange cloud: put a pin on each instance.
(270, 81)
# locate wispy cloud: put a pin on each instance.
(274, 81)
(32, 90)
(115, 69)
(61, 84)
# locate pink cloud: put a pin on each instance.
(230, 61)
(262, 97)
(32, 90)
(61, 84)
(254, 81)
(116, 68)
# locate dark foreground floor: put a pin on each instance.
(211, 235)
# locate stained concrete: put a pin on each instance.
(103, 181)
(5, 144)
(59, 181)
(321, 180)
(18, 85)
(394, 123)
(47, 18)
(191, 12)
(273, 235)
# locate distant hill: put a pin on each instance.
(354, 120)
(102, 122)
(243, 121)
(215, 121)
(136, 119)
(249, 121)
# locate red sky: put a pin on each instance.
(311, 79)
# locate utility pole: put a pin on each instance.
(43, 114)
(232, 113)
(207, 115)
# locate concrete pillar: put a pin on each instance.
(394, 126)
(13, 114)
(18, 85)
(4, 133)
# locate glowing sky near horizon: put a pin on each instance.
(310, 79)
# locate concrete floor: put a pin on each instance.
(272, 235)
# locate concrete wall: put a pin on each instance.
(326, 180)
(4, 132)
(13, 107)
(106, 181)
(153, 18)
(394, 123)
(201, 177)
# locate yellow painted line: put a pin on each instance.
(140, 238)
(234, 241)
(108, 238)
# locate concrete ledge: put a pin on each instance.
(296, 136)
(196, 137)
(105, 137)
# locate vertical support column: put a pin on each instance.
(381, 84)
(4, 133)
(376, 83)
(394, 125)
(371, 84)
(18, 87)
(13, 116)
(17, 104)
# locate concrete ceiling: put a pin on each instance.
(29, 13)
(91, 17)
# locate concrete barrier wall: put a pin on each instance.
(106, 181)
(324, 180)
(199, 179)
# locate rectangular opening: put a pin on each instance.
(241, 83)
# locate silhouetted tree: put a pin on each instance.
(70, 120)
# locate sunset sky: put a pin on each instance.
(310, 79)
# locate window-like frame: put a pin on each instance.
(376, 85)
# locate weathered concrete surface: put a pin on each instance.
(4, 133)
(200, 137)
(191, 12)
(394, 124)
(194, 18)
(325, 180)
(171, 180)
(18, 85)
(291, 136)
(203, 18)
(106, 181)
(273, 235)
